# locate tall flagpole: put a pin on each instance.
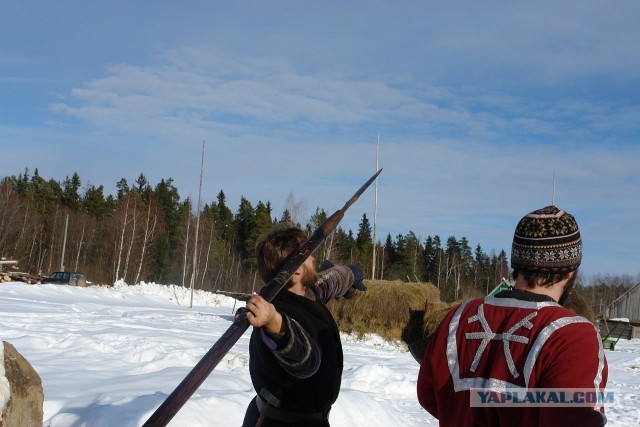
(195, 243)
(375, 216)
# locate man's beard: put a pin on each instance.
(309, 276)
(566, 292)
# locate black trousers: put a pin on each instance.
(252, 416)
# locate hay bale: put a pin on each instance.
(434, 313)
(385, 309)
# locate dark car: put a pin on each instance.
(66, 278)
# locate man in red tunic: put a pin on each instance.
(519, 342)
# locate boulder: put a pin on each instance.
(25, 397)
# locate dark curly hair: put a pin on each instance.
(273, 249)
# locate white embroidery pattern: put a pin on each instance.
(505, 337)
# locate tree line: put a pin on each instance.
(149, 233)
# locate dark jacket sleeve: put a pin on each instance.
(333, 283)
(296, 353)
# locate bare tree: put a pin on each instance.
(206, 259)
(296, 209)
(10, 214)
(122, 219)
(132, 239)
(186, 247)
(53, 231)
(80, 242)
(150, 223)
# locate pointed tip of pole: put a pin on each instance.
(553, 191)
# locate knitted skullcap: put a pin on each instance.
(547, 241)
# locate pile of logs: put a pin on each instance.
(14, 276)
(30, 279)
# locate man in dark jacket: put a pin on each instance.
(295, 350)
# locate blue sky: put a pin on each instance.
(477, 107)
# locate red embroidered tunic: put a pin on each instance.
(511, 344)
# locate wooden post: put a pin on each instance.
(195, 243)
(375, 217)
(64, 243)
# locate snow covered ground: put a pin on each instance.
(109, 357)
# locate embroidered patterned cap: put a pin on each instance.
(547, 241)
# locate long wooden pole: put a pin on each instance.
(64, 243)
(553, 192)
(195, 242)
(375, 217)
(172, 404)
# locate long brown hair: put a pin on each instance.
(273, 249)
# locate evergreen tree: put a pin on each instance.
(481, 268)
(45, 195)
(244, 223)
(210, 212)
(452, 270)
(429, 259)
(181, 254)
(390, 250)
(405, 257)
(317, 219)
(466, 260)
(345, 246)
(389, 257)
(327, 249)
(412, 257)
(22, 183)
(224, 219)
(286, 217)
(262, 224)
(439, 262)
(167, 242)
(501, 267)
(143, 188)
(397, 252)
(95, 203)
(70, 196)
(453, 247)
(364, 245)
(123, 187)
(465, 253)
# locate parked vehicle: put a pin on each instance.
(66, 278)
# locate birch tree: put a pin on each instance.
(150, 224)
(122, 219)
